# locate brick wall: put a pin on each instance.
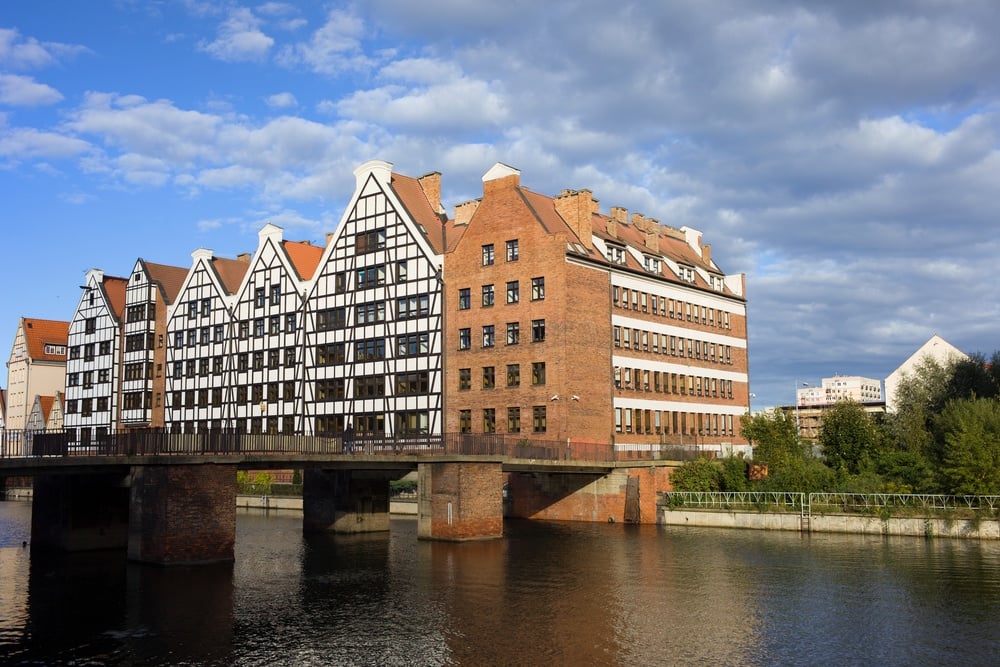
(474, 493)
(183, 514)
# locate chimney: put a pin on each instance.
(464, 212)
(706, 253)
(577, 208)
(243, 257)
(431, 185)
(501, 177)
(329, 238)
(619, 216)
(639, 221)
(653, 239)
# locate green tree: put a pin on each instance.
(920, 396)
(773, 436)
(970, 429)
(696, 475)
(849, 439)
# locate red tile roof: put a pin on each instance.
(38, 333)
(304, 256)
(115, 289)
(419, 207)
(169, 278)
(231, 272)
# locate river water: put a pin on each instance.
(546, 594)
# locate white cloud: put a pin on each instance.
(334, 48)
(23, 143)
(24, 91)
(281, 101)
(240, 38)
(28, 53)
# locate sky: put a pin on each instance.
(842, 154)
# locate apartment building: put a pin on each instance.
(37, 366)
(152, 288)
(93, 362)
(563, 323)
(373, 353)
(840, 388)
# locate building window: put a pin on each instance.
(410, 307)
(512, 250)
(258, 327)
(218, 333)
(537, 331)
(258, 297)
(340, 282)
(464, 298)
(489, 420)
(412, 345)
(258, 360)
(401, 271)
(216, 365)
(487, 295)
(370, 241)
(329, 354)
(243, 362)
(273, 358)
(372, 349)
(489, 377)
(538, 372)
(488, 257)
(412, 421)
(290, 323)
(372, 276)
(244, 329)
(513, 291)
(206, 307)
(616, 254)
(464, 378)
(537, 288)
(513, 375)
(371, 386)
(465, 421)
(90, 325)
(275, 295)
(489, 335)
(369, 313)
(538, 421)
(513, 420)
(513, 333)
(464, 339)
(274, 324)
(332, 318)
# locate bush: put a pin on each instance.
(697, 475)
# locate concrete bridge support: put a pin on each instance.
(460, 501)
(182, 514)
(622, 495)
(345, 501)
(79, 512)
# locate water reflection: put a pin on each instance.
(548, 593)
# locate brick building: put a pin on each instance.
(564, 323)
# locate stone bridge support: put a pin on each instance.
(79, 512)
(460, 501)
(182, 514)
(345, 501)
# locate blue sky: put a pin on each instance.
(843, 155)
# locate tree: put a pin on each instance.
(972, 378)
(848, 438)
(773, 436)
(920, 396)
(971, 458)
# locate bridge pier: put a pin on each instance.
(182, 514)
(79, 512)
(345, 501)
(460, 501)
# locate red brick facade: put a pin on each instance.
(460, 501)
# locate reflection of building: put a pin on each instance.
(840, 388)
(936, 349)
(37, 366)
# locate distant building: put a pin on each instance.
(94, 363)
(46, 413)
(935, 348)
(37, 366)
(3, 409)
(839, 388)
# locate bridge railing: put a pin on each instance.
(146, 442)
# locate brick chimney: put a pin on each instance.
(653, 239)
(619, 216)
(431, 185)
(464, 212)
(501, 177)
(243, 257)
(329, 238)
(706, 253)
(577, 208)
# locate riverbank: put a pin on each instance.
(397, 506)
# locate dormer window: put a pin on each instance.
(685, 273)
(718, 282)
(652, 264)
(616, 254)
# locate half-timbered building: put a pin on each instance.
(269, 312)
(200, 338)
(93, 363)
(373, 356)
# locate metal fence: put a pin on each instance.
(808, 504)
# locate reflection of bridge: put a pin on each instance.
(170, 498)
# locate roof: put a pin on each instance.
(231, 272)
(304, 257)
(45, 403)
(115, 289)
(170, 279)
(413, 197)
(38, 333)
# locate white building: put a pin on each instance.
(840, 388)
(37, 366)
(374, 319)
(92, 367)
(936, 348)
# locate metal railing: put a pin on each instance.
(65, 443)
(808, 504)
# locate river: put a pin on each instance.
(546, 594)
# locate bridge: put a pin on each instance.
(169, 498)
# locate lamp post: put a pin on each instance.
(798, 426)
